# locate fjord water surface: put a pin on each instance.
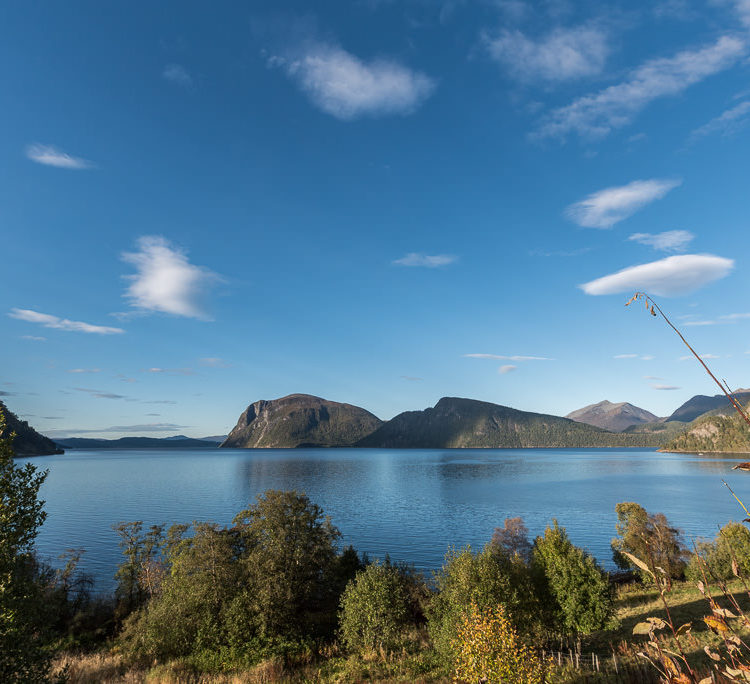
(412, 504)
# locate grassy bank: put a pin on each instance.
(615, 652)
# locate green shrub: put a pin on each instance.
(485, 580)
(374, 609)
(581, 597)
(650, 538)
(271, 580)
(733, 540)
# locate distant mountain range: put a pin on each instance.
(466, 423)
(614, 417)
(28, 441)
(703, 423)
(300, 420)
(700, 404)
(176, 442)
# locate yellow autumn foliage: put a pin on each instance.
(488, 649)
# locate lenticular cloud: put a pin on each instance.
(670, 277)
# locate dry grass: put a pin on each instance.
(108, 668)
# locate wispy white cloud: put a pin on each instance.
(665, 387)
(735, 316)
(669, 241)
(343, 85)
(640, 357)
(214, 362)
(595, 115)
(699, 323)
(563, 54)
(33, 338)
(727, 123)
(99, 394)
(127, 429)
(411, 378)
(85, 370)
(688, 357)
(742, 8)
(171, 371)
(670, 277)
(425, 260)
(177, 74)
(51, 156)
(605, 208)
(506, 369)
(501, 357)
(50, 321)
(166, 281)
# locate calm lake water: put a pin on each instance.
(413, 504)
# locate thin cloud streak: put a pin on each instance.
(425, 260)
(51, 156)
(669, 241)
(500, 357)
(605, 208)
(57, 323)
(594, 116)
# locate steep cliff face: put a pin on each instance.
(467, 423)
(28, 441)
(300, 420)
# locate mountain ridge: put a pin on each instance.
(456, 422)
(615, 417)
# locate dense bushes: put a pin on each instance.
(271, 580)
(650, 538)
(731, 543)
(374, 609)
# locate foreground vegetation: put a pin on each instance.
(272, 597)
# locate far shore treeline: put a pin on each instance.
(703, 423)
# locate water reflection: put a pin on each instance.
(412, 504)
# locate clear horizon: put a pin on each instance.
(378, 202)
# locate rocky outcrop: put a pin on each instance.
(300, 420)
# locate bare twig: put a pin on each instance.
(653, 307)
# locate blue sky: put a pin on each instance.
(381, 202)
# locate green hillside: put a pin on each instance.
(467, 423)
(713, 433)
